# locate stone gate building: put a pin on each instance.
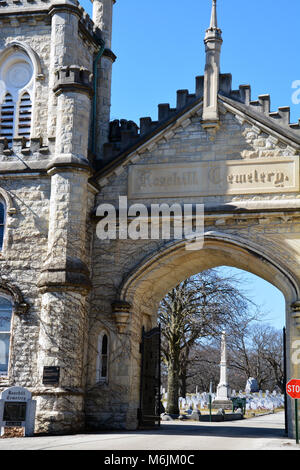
(72, 306)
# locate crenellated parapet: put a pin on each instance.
(17, 11)
(122, 134)
(126, 133)
(261, 105)
(73, 78)
(24, 4)
(24, 146)
(89, 26)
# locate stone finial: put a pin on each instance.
(213, 42)
(213, 30)
(121, 314)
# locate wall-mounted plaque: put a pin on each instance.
(14, 412)
(51, 375)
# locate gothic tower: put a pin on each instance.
(50, 142)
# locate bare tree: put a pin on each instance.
(254, 350)
(199, 307)
(257, 351)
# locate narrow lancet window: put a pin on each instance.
(7, 119)
(2, 223)
(5, 334)
(24, 123)
(102, 358)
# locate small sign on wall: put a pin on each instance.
(51, 375)
(17, 409)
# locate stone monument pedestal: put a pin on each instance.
(224, 404)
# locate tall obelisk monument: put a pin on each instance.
(223, 390)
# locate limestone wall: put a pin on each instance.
(20, 264)
(273, 234)
(46, 251)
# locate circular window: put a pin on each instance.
(18, 74)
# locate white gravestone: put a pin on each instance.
(17, 409)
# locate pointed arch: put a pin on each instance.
(24, 115)
(19, 69)
(148, 283)
(18, 302)
(10, 209)
(14, 46)
(6, 208)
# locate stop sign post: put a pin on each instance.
(293, 390)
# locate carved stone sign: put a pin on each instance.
(213, 178)
(17, 409)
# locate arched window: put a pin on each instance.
(16, 90)
(5, 333)
(102, 358)
(7, 118)
(24, 121)
(2, 223)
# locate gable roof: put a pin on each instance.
(238, 102)
(276, 122)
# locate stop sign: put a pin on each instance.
(293, 388)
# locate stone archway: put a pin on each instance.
(156, 275)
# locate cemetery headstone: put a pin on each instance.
(252, 386)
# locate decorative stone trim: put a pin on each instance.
(108, 53)
(33, 56)
(296, 308)
(65, 7)
(10, 209)
(20, 307)
(66, 274)
(121, 314)
(73, 78)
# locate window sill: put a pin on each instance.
(4, 381)
(101, 382)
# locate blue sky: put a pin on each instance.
(268, 298)
(159, 47)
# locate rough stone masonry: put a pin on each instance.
(69, 289)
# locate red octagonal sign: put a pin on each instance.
(293, 388)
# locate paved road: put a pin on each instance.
(266, 432)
